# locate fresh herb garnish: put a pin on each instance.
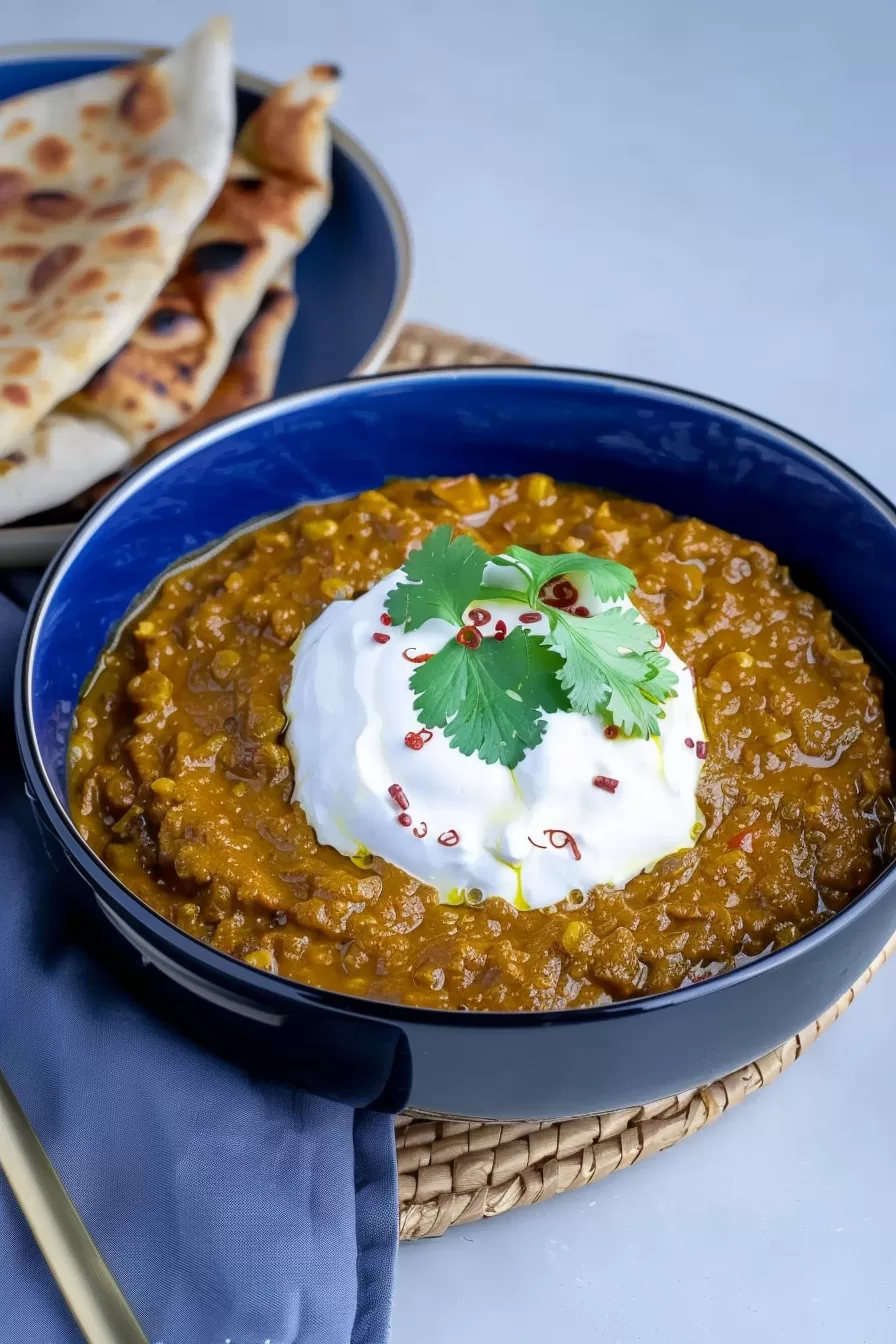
(609, 580)
(488, 701)
(489, 695)
(443, 577)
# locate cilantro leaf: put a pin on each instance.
(663, 683)
(607, 659)
(609, 580)
(488, 701)
(443, 578)
(539, 678)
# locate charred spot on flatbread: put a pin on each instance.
(51, 154)
(111, 210)
(93, 278)
(141, 238)
(53, 266)
(56, 205)
(216, 258)
(22, 363)
(145, 106)
(13, 186)
(20, 251)
(169, 328)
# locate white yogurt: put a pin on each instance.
(350, 707)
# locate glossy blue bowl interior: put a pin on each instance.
(348, 278)
(692, 455)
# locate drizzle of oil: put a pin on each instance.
(519, 899)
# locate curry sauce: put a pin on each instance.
(181, 783)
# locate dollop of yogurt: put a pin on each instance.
(469, 829)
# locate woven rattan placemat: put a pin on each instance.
(454, 1171)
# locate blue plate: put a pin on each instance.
(352, 279)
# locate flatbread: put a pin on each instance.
(102, 181)
(58, 459)
(277, 192)
(66, 453)
(251, 375)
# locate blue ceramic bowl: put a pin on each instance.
(352, 279)
(690, 454)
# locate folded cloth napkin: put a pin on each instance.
(227, 1209)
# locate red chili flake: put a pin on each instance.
(469, 637)
(530, 617)
(404, 819)
(417, 741)
(380, 638)
(567, 839)
(606, 783)
(580, 611)
(479, 616)
(535, 843)
(500, 630)
(561, 594)
(689, 742)
(419, 658)
(742, 840)
(449, 839)
(611, 731)
(385, 619)
(662, 634)
(420, 831)
(398, 794)
(701, 751)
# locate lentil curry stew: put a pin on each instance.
(181, 783)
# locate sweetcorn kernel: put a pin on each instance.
(335, 588)
(261, 958)
(223, 663)
(572, 935)
(316, 529)
(539, 488)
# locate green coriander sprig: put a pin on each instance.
(490, 695)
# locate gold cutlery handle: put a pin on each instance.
(93, 1296)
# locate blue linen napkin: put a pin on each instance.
(227, 1209)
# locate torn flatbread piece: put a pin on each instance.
(67, 453)
(277, 192)
(102, 180)
(60, 456)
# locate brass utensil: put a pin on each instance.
(93, 1296)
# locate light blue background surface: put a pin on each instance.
(700, 192)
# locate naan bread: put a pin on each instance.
(67, 453)
(251, 375)
(277, 192)
(101, 182)
(58, 459)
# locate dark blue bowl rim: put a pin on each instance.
(261, 984)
